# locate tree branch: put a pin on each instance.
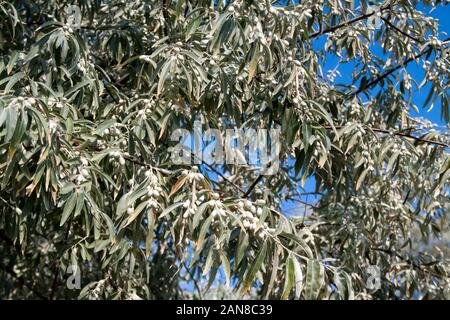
(407, 260)
(146, 165)
(387, 73)
(191, 275)
(252, 186)
(214, 170)
(347, 23)
(302, 202)
(390, 24)
(401, 134)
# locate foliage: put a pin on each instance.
(90, 97)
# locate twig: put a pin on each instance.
(197, 287)
(392, 70)
(252, 186)
(407, 260)
(346, 23)
(420, 139)
(302, 202)
(390, 24)
(213, 169)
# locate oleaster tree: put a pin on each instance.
(91, 197)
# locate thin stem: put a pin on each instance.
(346, 23)
(191, 275)
(387, 73)
(390, 24)
(408, 261)
(406, 135)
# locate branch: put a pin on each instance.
(302, 194)
(191, 275)
(407, 260)
(146, 165)
(389, 72)
(222, 176)
(347, 23)
(213, 169)
(252, 186)
(401, 31)
(137, 161)
(302, 202)
(406, 135)
(392, 70)
(413, 137)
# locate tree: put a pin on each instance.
(92, 91)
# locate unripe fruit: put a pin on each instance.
(260, 202)
(84, 173)
(259, 212)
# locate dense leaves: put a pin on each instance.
(91, 91)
